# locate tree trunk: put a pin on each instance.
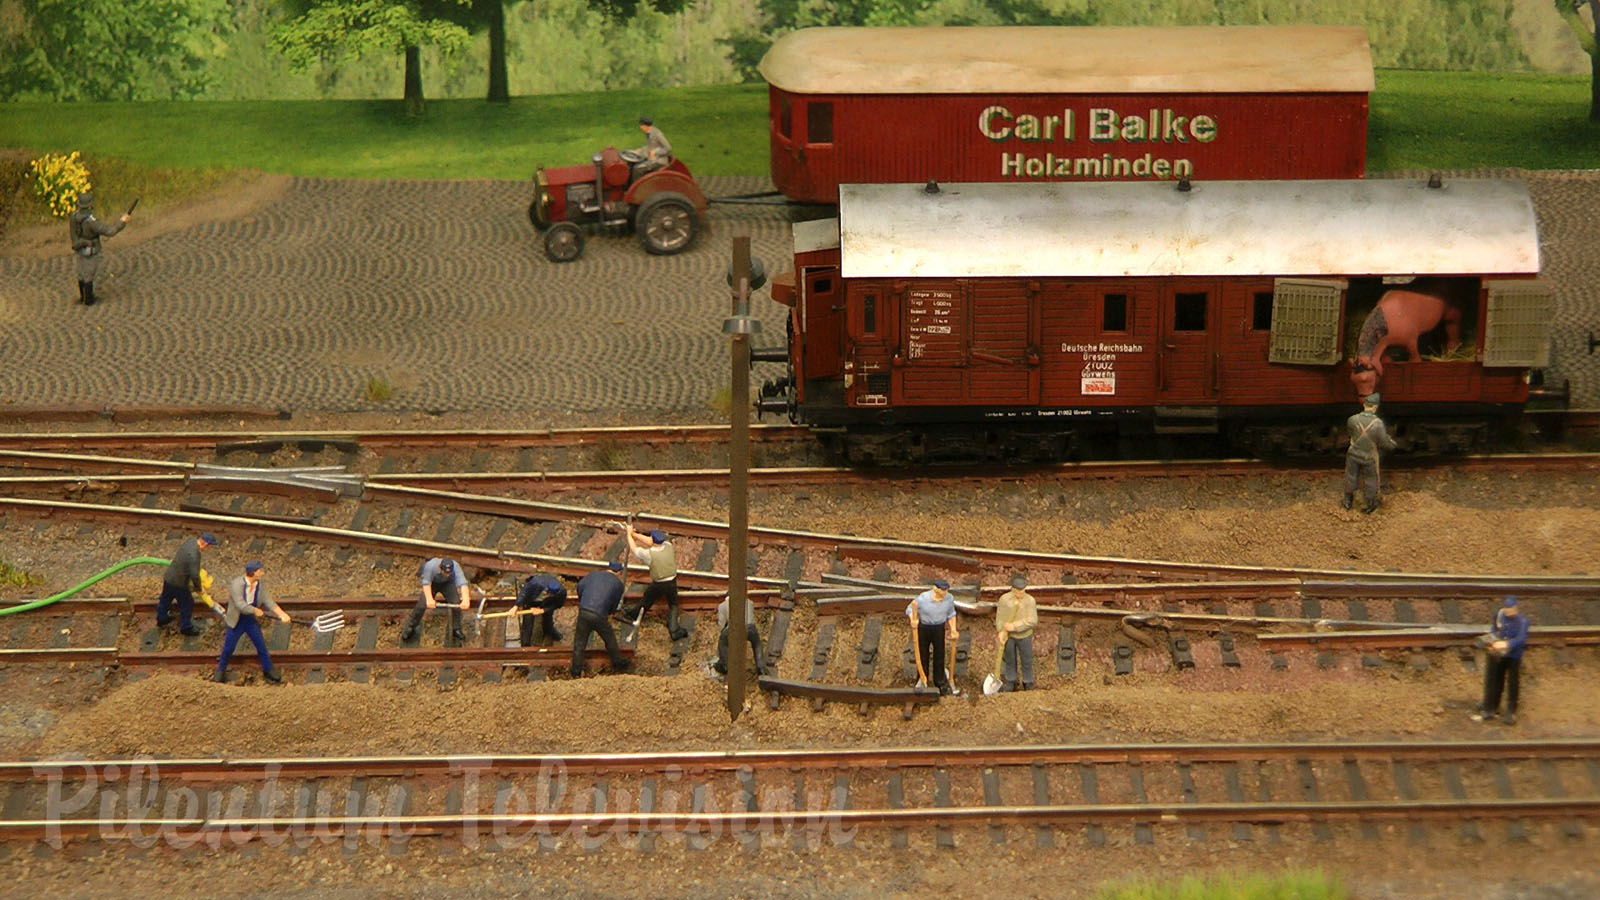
(413, 90)
(499, 89)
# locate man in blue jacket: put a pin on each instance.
(1509, 637)
(599, 595)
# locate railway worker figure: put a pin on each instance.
(751, 633)
(933, 613)
(1367, 438)
(86, 232)
(1016, 615)
(1508, 638)
(656, 152)
(655, 551)
(599, 595)
(438, 576)
(181, 582)
(247, 603)
(545, 593)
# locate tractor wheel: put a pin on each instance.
(665, 223)
(563, 242)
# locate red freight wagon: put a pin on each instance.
(1020, 319)
(874, 105)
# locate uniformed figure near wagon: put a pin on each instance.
(248, 602)
(1509, 637)
(655, 551)
(751, 633)
(934, 613)
(181, 582)
(656, 152)
(1016, 615)
(1367, 438)
(543, 592)
(599, 595)
(439, 575)
(86, 232)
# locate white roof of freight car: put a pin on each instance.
(1102, 229)
(1066, 60)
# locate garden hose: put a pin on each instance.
(37, 604)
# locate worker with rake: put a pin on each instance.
(247, 603)
(932, 614)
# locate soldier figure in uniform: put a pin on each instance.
(656, 152)
(86, 232)
(1367, 437)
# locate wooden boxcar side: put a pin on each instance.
(1065, 104)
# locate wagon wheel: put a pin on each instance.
(666, 223)
(563, 242)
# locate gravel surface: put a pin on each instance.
(1533, 524)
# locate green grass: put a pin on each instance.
(15, 577)
(167, 151)
(1303, 885)
(1469, 120)
(715, 130)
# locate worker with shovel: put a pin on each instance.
(438, 576)
(932, 613)
(1016, 615)
(247, 603)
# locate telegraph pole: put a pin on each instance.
(739, 326)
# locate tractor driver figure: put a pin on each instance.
(656, 152)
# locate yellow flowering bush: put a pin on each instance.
(58, 180)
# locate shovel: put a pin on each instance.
(991, 681)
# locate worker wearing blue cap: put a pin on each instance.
(656, 552)
(248, 603)
(1508, 638)
(933, 613)
(599, 595)
(181, 582)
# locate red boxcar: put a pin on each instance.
(873, 105)
(1025, 317)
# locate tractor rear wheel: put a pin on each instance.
(563, 242)
(666, 223)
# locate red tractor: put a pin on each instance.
(663, 207)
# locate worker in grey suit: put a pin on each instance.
(656, 152)
(1367, 438)
(247, 604)
(86, 233)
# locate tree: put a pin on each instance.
(329, 29)
(108, 49)
(1589, 39)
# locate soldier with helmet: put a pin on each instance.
(86, 232)
(1367, 438)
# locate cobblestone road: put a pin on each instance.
(441, 290)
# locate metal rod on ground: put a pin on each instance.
(739, 326)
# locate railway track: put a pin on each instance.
(986, 795)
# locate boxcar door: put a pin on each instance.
(819, 154)
(1186, 365)
(824, 322)
(1003, 361)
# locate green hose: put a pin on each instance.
(37, 604)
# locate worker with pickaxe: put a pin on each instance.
(541, 595)
(655, 551)
(438, 576)
(599, 595)
(932, 614)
